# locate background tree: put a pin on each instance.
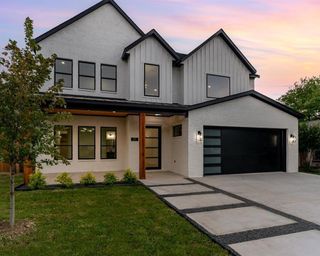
(304, 97)
(26, 113)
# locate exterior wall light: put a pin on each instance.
(199, 136)
(292, 139)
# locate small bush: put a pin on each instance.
(65, 180)
(37, 180)
(110, 178)
(129, 177)
(88, 179)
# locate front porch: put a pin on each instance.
(101, 141)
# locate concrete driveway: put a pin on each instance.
(261, 214)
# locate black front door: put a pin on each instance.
(243, 150)
(153, 147)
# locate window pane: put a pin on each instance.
(177, 130)
(67, 80)
(218, 86)
(212, 132)
(108, 85)
(151, 85)
(212, 170)
(152, 162)
(108, 71)
(152, 152)
(212, 160)
(212, 142)
(63, 141)
(86, 83)
(212, 151)
(108, 143)
(152, 132)
(63, 66)
(86, 69)
(86, 142)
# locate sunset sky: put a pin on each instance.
(280, 38)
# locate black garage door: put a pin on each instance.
(243, 150)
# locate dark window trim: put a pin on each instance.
(94, 77)
(207, 92)
(62, 73)
(144, 80)
(108, 78)
(173, 130)
(94, 158)
(116, 152)
(70, 126)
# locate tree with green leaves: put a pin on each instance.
(27, 113)
(304, 97)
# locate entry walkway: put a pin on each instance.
(243, 226)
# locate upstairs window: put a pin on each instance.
(63, 71)
(108, 78)
(218, 86)
(63, 141)
(151, 80)
(87, 75)
(108, 143)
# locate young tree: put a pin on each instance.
(26, 113)
(304, 97)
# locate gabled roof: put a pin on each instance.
(158, 37)
(253, 94)
(229, 42)
(86, 12)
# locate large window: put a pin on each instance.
(63, 71)
(87, 75)
(87, 138)
(218, 86)
(108, 143)
(63, 140)
(151, 80)
(108, 78)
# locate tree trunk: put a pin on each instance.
(12, 199)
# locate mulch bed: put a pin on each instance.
(20, 228)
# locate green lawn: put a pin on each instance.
(127, 220)
(312, 170)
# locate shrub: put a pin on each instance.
(110, 178)
(65, 180)
(88, 179)
(37, 180)
(129, 177)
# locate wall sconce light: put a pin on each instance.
(199, 136)
(292, 139)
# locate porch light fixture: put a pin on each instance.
(199, 136)
(111, 135)
(292, 139)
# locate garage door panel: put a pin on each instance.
(245, 150)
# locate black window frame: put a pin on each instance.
(80, 158)
(108, 78)
(62, 73)
(175, 132)
(94, 77)
(69, 126)
(207, 91)
(116, 144)
(144, 81)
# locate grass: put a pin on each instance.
(118, 220)
(312, 170)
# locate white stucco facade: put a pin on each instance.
(242, 112)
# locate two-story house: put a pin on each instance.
(137, 103)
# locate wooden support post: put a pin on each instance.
(142, 139)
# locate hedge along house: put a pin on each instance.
(137, 103)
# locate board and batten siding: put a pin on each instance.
(217, 58)
(98, 37)
(150, 51)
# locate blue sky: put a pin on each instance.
(280, 38)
